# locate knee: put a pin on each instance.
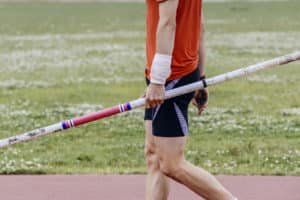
(172, 170)
(173, 165)
(151, 158)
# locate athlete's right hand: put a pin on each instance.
(154, 95)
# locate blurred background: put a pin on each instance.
(62, 59)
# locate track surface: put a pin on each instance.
(113, 187)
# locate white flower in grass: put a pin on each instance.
(48, 38)
(265, 79)
(17, 113)
(12, 83)
(259, 152)
(190, 152)
(208, 163)
(29, 163)
(291, 111)
(266, 159)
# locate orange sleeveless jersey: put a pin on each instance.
(188, 28)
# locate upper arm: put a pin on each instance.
(167, 11)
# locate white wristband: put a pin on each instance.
(161, 68)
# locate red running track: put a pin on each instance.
(131, 187)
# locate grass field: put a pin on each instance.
(61, 60)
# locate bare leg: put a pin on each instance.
(157, 184)
(174, 165)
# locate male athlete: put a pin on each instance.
(175, 57)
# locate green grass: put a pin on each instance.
(61, 60)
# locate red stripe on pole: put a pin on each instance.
(95, 116)
(68, 124)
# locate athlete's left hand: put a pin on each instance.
(200, 100)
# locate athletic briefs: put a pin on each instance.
(171, 118)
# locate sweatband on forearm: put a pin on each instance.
(160, 69)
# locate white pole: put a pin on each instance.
(141, 102)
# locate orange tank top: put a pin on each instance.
(188, 28)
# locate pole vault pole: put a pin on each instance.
(141, 102)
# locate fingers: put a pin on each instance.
(203, 106)
(201, 100)
(152, 102)
(201, 109)
(155, 95)
(194, 102)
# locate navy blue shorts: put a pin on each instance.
(171, 118)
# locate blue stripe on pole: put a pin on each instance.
(128, 106)
(64, 125)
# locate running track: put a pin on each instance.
(131, 187)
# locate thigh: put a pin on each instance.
(149, 140)
(152, 159)
(170, 149)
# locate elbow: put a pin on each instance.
(167, 23)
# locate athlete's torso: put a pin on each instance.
(188, 29)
